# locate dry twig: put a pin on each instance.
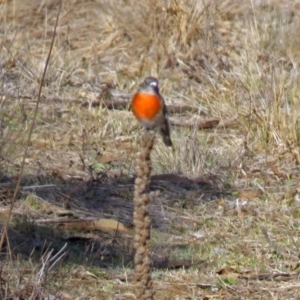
(142, 220)
(32, 125)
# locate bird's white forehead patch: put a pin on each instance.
(154, 83)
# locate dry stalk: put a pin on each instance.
(32, 125)
(142, 219)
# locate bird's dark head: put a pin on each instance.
(150, 84)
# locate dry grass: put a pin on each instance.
(239, 217)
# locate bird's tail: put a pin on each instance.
(165, 133)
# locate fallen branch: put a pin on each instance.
(271, 276)
(199, 124)
(205, 124)
(118, 101)
(279, 289)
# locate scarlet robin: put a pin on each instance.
(150, 109)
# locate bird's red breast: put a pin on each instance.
(146, 106)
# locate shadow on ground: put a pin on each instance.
(45, 204)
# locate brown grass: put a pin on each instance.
(232, 221)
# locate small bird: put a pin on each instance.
(150, 109)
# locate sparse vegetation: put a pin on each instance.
(224, 206)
